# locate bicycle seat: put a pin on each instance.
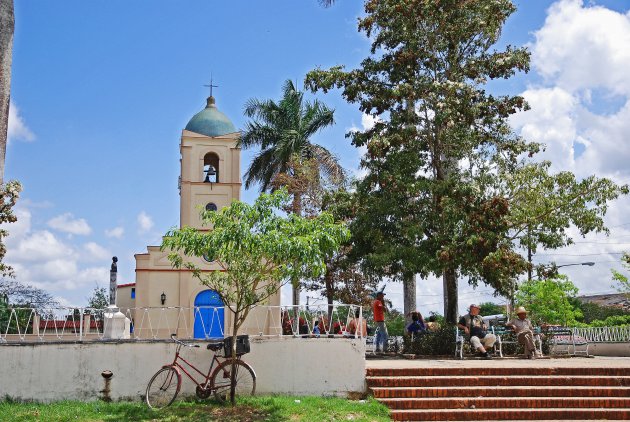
(214, 346)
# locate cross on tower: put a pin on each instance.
(211, 86)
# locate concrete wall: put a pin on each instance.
(50, 372)
(609, 349)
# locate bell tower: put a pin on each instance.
(210, 164)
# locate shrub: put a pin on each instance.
(437, 343)
(612, 321)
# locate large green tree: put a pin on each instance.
(283, 130)
(258, 249)
(447, 190)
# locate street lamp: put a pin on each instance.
(590, 264)
(546, 271)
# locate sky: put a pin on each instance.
(102, 90)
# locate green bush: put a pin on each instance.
(612, 321)
(437, 343)
(592, 311)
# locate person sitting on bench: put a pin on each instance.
(524, 331)
(474, 327)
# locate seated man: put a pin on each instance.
(475, 329)
(524, 330)
(357, 325)
(416, 326)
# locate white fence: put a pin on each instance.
(203, 322)
(603, 334)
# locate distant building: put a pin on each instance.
(210, 179)
(613, 300)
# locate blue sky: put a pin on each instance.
(101, 91)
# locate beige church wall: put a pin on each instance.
(124, 300)
(282, 366)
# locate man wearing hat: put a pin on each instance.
(378, 309)
(524, 330)
(474, 327)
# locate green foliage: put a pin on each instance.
(592, 311)
(395, 322)
(99, 298)
(549, 301)
(620, 279)
(283, 131)
(450, 189)
(257, 248)
(489, 308)
(612, 321)
(438, 343)
(9, 194)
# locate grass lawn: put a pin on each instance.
(271, 408)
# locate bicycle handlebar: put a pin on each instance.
(181, 342)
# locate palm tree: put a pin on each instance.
(7, 23)
(283, 130)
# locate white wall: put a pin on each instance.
(49, 372)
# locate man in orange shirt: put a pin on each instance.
(378, 308)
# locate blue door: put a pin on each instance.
(208, 315)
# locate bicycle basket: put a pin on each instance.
(242, 345)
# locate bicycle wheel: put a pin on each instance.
(163, 388)
(245, 380)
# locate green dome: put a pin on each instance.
(210, 121)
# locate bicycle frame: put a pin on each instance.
(178, 366)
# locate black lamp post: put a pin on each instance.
(590, 264)
(163, 298)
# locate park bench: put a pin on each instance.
(563, 340)
(463, 347)
(507, 336)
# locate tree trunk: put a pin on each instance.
(297, 210)
(330, 292)
(233, 365)
(7, 25)
(409, 295)
(295, 286)
(449, 277)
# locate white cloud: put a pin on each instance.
(95, 252)
(39, 246)
(584, 47)
(116, 232)
(145, 222)
(17, 129)
(68, 224)
(582, 53)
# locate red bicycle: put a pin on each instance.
(166, 383)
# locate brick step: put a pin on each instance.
(490, 371)
(506, 402)
(501, 391)
(509, 414)
(493, 380)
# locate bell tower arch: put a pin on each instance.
(210, 164)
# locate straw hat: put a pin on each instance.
(520, 310)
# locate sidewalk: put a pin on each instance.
(575, 362)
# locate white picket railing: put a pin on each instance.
(203, 322)
(603, 334)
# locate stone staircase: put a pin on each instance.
(522, 393)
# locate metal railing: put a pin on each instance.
(603, 334)
(200, 322)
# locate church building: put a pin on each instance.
(210, 179)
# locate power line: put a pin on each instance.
(580, 254)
